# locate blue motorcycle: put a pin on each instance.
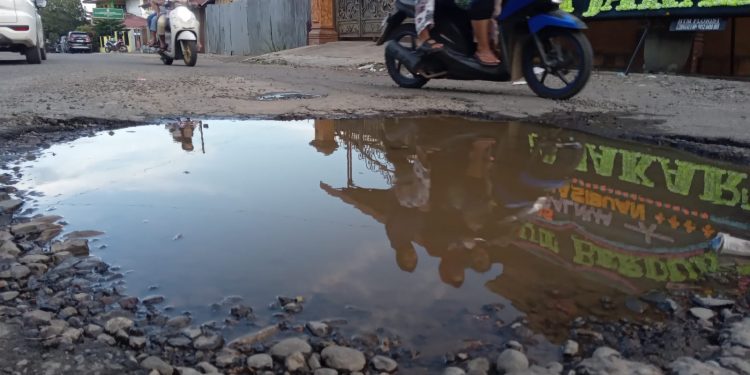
(555, 56)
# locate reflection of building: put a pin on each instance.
(573, 246)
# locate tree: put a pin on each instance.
(61, 16)
(108, 27)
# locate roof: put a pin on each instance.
(132, 21)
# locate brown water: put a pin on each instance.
(409, 224)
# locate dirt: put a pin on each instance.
(697, 114)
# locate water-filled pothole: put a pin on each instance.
(442, 229)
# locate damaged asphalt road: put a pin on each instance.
(701, 115)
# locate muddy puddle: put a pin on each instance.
(444, 230)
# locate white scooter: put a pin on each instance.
(182, 35)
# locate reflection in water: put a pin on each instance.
(182, 132)
(451, 214)
(570, 218)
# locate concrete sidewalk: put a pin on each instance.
(338, 55)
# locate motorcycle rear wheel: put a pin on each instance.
(406, 35)
(570, 52)
(123, 49)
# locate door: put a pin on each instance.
(361, 18)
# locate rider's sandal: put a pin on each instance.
(429, 46)
(484, 63)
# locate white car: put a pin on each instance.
(21, 29)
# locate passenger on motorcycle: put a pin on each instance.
(481, 13)
(161, 24)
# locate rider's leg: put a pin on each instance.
(161, 29)
(480, 13)
(425, 20)
(152, 29)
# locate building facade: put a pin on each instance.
(615, 29)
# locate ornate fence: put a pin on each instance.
(361, 18)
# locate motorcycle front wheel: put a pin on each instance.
(123, 49)
(108, 49)
(568, 67)
(406, 35)
(189, 52)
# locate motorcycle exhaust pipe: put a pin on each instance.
(394, 50)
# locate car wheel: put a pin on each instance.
(33, 55)
(44, 53)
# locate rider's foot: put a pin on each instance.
(487, 58)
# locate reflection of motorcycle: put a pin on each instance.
(118, 46)
(182, 35)
(556, 57)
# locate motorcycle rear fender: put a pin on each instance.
(557, 18)
(187, 35)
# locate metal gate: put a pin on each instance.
(361, 18)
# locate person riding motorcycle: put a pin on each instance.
(481, 12)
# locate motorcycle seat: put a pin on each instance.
(406, 6)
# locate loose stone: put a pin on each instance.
(116, 324)
(179, 322)
(8, 296)
(208, 342)
(511, 360)
(453, 371)
(383, 363)
(260, 362)
(570, 348)
(153, 300)
(608, 361)
(479, 365)
(295, 362)
(137, 342)
(76, 247)
(156, 363)
(289, 346)
(319, 329)
(343, 358)
(105, 338)
(691, 366)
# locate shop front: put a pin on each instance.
(701, 37)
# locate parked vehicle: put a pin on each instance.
(78, 41)
(118, 46)
(556, 57)
(182, 35)
(21, 29)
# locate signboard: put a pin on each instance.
(108, 13)
(610, 9)
(698, 24)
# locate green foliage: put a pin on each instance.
(61, 16)
(105, 27)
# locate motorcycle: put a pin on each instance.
(119, 46)
(182, 35)
(556, 57)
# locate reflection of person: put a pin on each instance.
(182, 132)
